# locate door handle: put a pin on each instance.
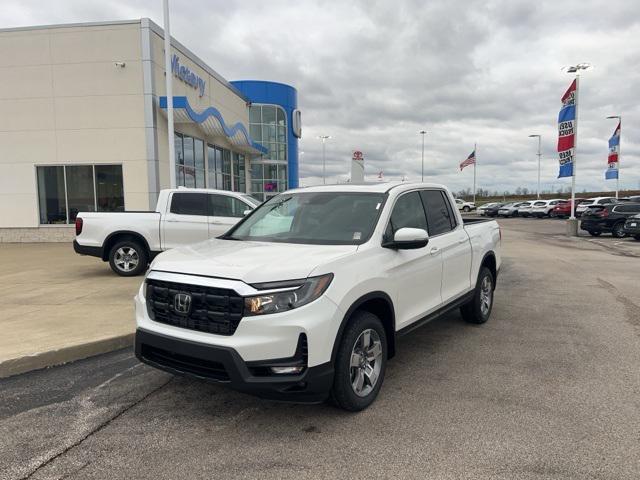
(462, 240)
(434, 250)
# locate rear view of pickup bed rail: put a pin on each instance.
(130, 240)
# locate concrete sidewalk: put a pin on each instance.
(58, 306)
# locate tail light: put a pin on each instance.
(78, 226)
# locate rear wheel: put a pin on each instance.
(593, 233)
(618, 230)
(478, 310)
(637, 237)
(128, 258)
(361, 362)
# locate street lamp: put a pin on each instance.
(619, 118)
(539, 137)
(423, 133)
(324, 138)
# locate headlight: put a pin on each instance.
(298, 296)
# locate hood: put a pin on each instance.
(251, 262)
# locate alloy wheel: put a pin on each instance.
(366, 362)
(126, 259)
(486, 295)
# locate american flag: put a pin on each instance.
(471, 160)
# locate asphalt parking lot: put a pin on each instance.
(548, 388)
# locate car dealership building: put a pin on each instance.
(83, 126)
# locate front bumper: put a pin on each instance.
(632, 230)
(224, 366)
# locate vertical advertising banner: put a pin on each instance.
(614, 151)
(567, 131)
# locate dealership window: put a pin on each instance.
(199, 165)
(190, 164)
(66, 190)
(268, 126)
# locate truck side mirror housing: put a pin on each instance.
(408, 239)
(247, 212)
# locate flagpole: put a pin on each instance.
(475, 154)
(619, 156)
(575, 150)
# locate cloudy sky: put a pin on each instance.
(373, 74)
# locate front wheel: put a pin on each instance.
(361, 362)
(618, 230)
(466, 209)
(478, 310)
(637, 237)
(128, 258)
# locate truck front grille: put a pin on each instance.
(211, 310)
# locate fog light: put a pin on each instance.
(286, 370)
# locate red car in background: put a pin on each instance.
(563, 209)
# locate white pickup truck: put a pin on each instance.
(304, 298)
(130, 240)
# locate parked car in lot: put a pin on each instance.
(130, 240)
(543, 208)
(524, 209)
(304, 298)
(580, 208)
(493, 210)
(465, 206)
(483, 209)
(511, 209)
(563, 208)
(609, 218)
(632, 226)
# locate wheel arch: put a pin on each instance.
(122, 235)
(489, 261)
(380, 304)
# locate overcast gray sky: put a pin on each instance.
(373, 74)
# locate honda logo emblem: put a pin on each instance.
(182, 303)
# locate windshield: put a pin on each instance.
(325, 218)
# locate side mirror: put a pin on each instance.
(408, 239)
(247, 212)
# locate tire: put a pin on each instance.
(466, 209)
(637, 237)
(128, 258)
(345, 382)
(618, 230)
(478, 310)
(593, 233)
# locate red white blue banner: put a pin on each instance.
(614, 151)
(567, 131)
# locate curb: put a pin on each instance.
(36, 361)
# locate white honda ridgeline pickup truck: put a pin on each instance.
(130, 240)
(304, 298)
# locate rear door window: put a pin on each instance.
(439, 216)
(188, 203)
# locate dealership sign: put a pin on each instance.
(186, 75)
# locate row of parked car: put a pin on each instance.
(620, 217)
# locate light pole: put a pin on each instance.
(169, 87)
(324, 164)
(619, 118)
(539, 137)
(423, 133)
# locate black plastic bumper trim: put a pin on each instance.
(203, 361)
(85, 250)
